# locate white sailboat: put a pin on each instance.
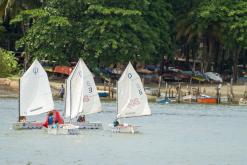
(131, 98)
(81, 96)
(35, 96)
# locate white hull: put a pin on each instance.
(27, 125)
(88, 125)
(63, 129)
(125, 129)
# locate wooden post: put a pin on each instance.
(109, 89)
(104, 86)
(159, 86)
(227, 92)
(112, 93)
(245, 92)
(231, 89)
(218, 93)
(179, 92)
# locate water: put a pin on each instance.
(174, 134)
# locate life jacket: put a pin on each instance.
(50, 120)
(57, 117)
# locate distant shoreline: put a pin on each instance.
(10, 89)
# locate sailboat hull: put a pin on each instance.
(88, 125)
(125, 129)
(63, 129)
(27, 125)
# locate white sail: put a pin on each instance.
(35, 91)
(132, 100)
(74, 90)
(67, 97)
(91, 100)
(81, 92)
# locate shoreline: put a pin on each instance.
(9, 88)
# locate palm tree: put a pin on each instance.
(10, 8)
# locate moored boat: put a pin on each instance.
(206, 100)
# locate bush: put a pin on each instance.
(8, 63)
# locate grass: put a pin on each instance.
(14, 77)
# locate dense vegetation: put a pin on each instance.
(8, 63)
(106, 32)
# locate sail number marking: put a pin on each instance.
(35, 70)
(133, 102)
(86, 98)
(129, 75)
(90, 89)
(139, 89)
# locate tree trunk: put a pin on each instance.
(236, 53)
(216, 59)
(187, 56)
(205, 56)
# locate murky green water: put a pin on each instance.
(174, 134)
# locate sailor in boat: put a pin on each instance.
(81, 119)
(53, 117)
(116, 123)
(50, 118)
(22, 119)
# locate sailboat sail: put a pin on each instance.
(132, 100)
(81, 92)
(74, 92)
(91, 100)
(35, 91)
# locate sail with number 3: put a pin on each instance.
(132, 100)
(81, 92)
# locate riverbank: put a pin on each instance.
(9, 87)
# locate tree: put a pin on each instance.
(113, 31)
(218, 25)
(8, 63)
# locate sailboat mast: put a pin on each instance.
(70, 101)
(117, 98)
(65, 98)
(19, 102)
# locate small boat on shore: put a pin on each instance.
(132, 100)
(189, 98)
(164, 100)
(35, 96)
(103, 93)
(206, 99)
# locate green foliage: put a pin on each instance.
(230, 18)
(113, 31)
(8, 63)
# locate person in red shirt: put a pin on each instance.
(56, 118)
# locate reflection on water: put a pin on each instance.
(173, 134)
